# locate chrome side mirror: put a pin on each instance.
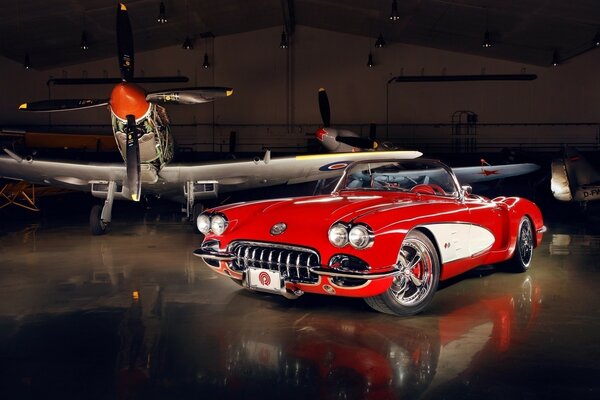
(467, 189)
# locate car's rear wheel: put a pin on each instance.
(521, 259)
(414, 287)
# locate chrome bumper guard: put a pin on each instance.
(354, 275)
(211, 254)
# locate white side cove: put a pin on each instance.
(458, 240)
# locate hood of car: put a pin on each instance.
(306, 215)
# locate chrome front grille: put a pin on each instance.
(292, 262)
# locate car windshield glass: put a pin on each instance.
(417, 176)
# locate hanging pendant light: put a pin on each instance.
(380, 41)
(205, 64)
(284, 40)
(394, 15)
(27, 62)
(162, 14)
(84, 41)
(370, 62)
(187, 44)
(555, 59)
(487, 42)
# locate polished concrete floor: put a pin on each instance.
(133, 315)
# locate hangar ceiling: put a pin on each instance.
(526, 31)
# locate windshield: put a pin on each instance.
(417, 176)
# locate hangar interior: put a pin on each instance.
(133, 314)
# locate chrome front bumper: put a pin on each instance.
(214, 255)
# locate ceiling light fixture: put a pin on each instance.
(84, 41)
(27, 62)
(162, 14)
(206, 64)
(370, 62)
(187, 43)
(394, 16)
(487, 42)
(555, 59)
(380, 41)
(284, 44)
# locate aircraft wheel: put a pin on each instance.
(414, 287)
(97, 226)
(521, 259)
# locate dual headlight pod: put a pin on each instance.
(215, 223)
(359, 236)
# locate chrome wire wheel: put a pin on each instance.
(412, 290)
(413, 283)
(521, 259)
(525, 242)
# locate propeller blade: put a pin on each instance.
(112, 81)
(359, 142)
(194, 95)
(324, 107)
(62, 105)
(134, 184)
(124, 43)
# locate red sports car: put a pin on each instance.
(389, 232)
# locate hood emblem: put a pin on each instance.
(278, 228)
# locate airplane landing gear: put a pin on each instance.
(97, 226)
(100, 216)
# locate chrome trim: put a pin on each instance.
(211, 254)
(293, 262)
(543, 229)
(356, 275)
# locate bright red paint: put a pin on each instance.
(465, 231)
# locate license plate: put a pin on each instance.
(265, 280)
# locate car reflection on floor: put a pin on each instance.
(135, 315)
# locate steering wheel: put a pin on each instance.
(430, 188)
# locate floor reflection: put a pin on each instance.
(136, 316)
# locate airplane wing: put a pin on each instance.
(239, 175)
(63, 174)
(228, 175)
(468, 175)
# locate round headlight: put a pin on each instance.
(218, 224)
(359, 237)
(338, 235)
(203, 223)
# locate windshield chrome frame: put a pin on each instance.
(458, 190)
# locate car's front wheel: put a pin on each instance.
(414, 287)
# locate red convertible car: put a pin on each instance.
(389, 232)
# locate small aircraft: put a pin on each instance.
(336, 140)
(141, 130)
(574, 178)
(140, 124)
